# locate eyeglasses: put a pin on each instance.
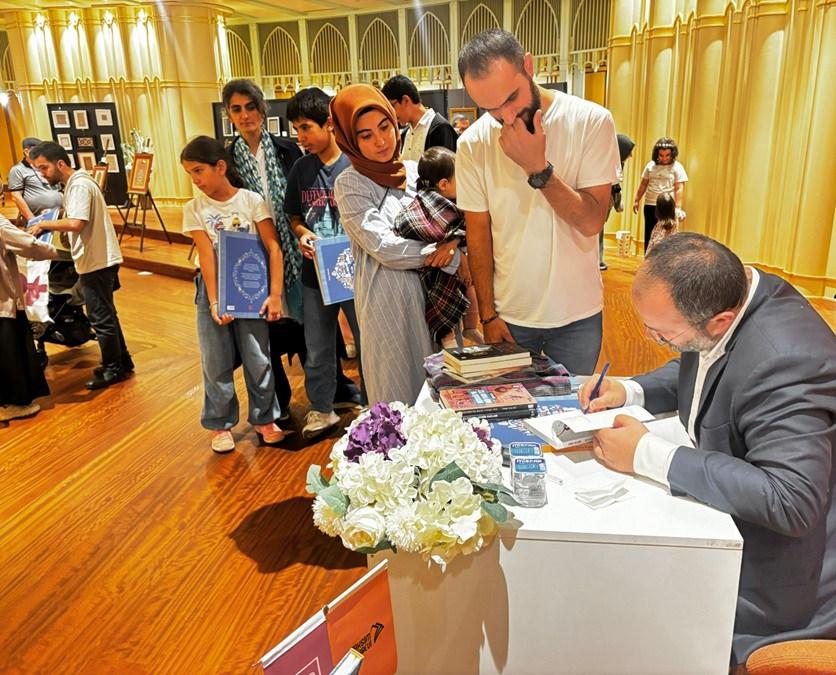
(660, 339)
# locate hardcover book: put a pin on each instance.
(243, 274)
(334, 269)
(493, 398)
(481, 356)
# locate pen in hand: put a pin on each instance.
(597, 388)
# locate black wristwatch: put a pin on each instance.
(538, 180)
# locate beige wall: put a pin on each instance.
(746, 88)
(160, 72)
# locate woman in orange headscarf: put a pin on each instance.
(388, 296)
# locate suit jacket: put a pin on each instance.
(765, 433)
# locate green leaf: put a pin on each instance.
(449, 473)
(508, 499)
(334, 497)
(496, 511)
(382, 545)
(493, 487)
(316, 481)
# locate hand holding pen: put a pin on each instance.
(600, 393)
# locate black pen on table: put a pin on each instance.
(597, 388)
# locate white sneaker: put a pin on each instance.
(318, 422)
(11, 412)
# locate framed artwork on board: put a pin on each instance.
(100, 175)
(72, 159)
(227, 127)
(107, 142)
(61, 119)
(85, 142)
(140, 173)
(65, 141)
(103, 117)
(293, 133)
(80, 119)
(112, 163)
(273, 125)
(470, 114)
(87, 161)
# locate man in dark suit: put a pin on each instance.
(756, 390)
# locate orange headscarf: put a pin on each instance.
(345, 109)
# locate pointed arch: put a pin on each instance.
(7, 73)
(480, 19)
(590, 24)
(329, 51)
(537, 28)
(429, 44)
(280, 55)
(378, 47)
(240, 58)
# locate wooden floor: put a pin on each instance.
(126, 546)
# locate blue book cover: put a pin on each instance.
(515, 431)
(243, 274)
(49, 214)
(334, 269)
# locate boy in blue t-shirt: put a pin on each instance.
(310, 206)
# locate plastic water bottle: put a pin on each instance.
(528, 476)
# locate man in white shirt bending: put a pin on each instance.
(534, 177)
(96, 254)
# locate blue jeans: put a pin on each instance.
(217, 359)
(575, 345)
(321, 328)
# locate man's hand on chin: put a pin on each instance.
(526, 149)
(616, 447)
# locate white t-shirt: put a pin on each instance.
(96, 246)
(416, 137)
(661, 179)
(545, 271)
(240, 214)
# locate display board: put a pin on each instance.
(89, 132)
(277, 122)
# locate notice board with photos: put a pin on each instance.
(89, 132)
(276, 121)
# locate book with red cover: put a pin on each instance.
(488, 398)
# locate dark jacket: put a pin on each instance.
(765, 433)
(287, 150)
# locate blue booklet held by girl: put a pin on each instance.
(334, 269)
(243, 274)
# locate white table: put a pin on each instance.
(647, 585)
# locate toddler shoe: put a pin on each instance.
(222, 441)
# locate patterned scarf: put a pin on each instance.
(432, 217)
(247, 167)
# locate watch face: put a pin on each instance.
(539, 180)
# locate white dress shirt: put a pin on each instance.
(654, 454)
(416, 137)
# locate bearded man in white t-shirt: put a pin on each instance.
(534, 177)
(96, 255)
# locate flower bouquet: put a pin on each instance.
(413, 481)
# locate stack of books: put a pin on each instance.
(482, 362)
(490, 402)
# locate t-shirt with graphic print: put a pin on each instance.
(239, 214)
(310, 196)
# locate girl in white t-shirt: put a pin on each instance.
(224, 205)
(662, 175)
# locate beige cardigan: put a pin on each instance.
(16, 242)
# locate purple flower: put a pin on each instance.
(380, 431)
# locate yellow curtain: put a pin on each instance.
(746, 89)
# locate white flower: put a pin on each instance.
(363, 528)
(325, 518)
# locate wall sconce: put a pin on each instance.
(73, 19)
(142, 17)
(40, 21)
(109, 18)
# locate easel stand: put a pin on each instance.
(137, 200)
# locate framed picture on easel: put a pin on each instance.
(140, 173)
(100, 175)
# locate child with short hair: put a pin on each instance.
(667, 222)
(225, 205)
(313, 214)
(434, 217)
